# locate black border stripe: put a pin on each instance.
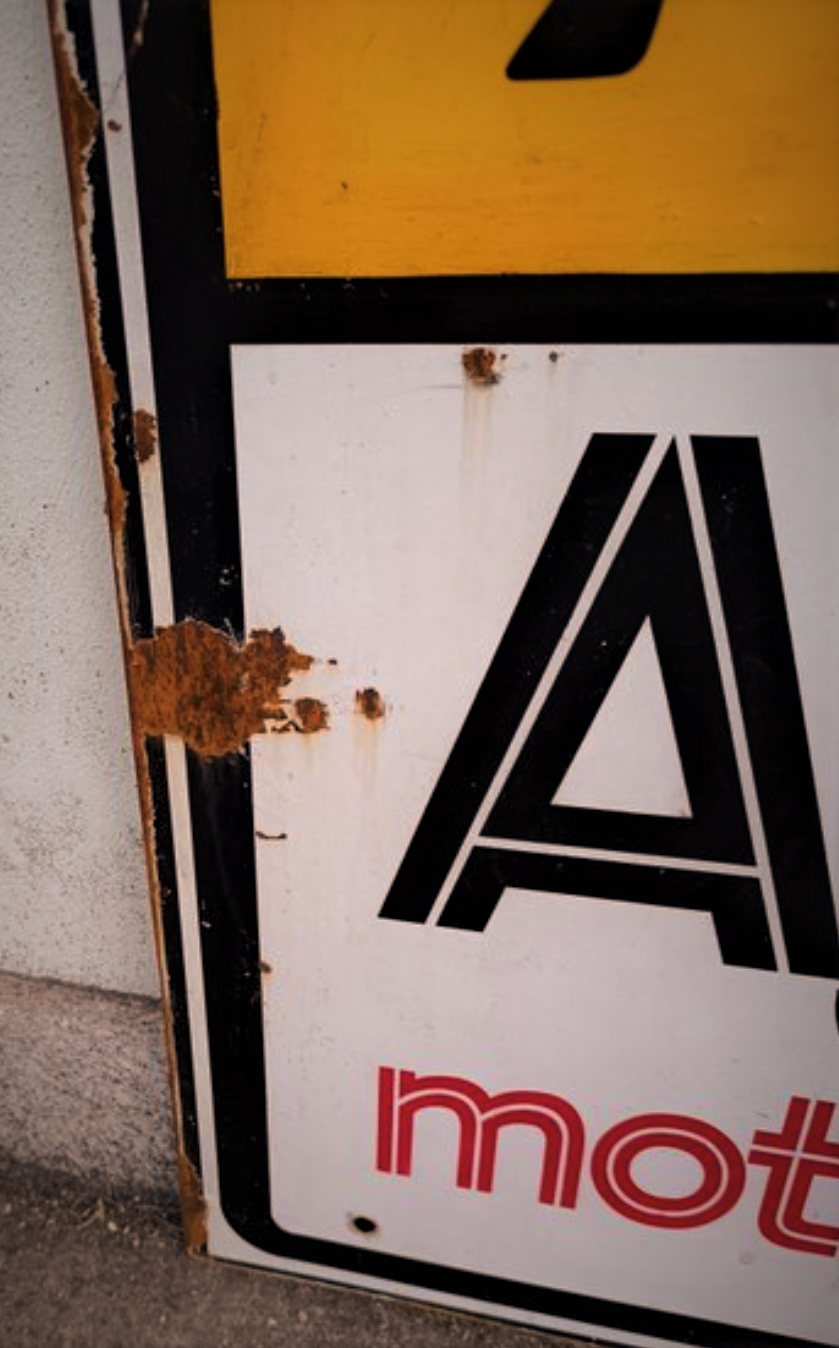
(556, 309)
(175, 964)
(173, 109)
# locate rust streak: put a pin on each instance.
(145, 435)
(193, 681)
(370, 703)
(81, 127)
(193, 1205)
(311, 715)
(479, 364)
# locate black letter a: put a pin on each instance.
(621, 555)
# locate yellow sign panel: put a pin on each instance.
(383, 137)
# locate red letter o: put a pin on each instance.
(723, 1170)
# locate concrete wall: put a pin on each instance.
(73, 896)
(84, 1088)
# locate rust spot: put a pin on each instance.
(310, 715)
(193, 1205)
(265, 967)
(145, 435)
(370, 703)
(479, 364)
(113, 124)
(193, 681)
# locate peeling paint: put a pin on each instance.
(145, 435)
(370, 703)
(192, 681)
(479, 362)
(193, 1206)
(80, 121)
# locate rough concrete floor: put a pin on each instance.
(81, 1271)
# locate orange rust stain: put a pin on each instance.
(310, 715)
(370, 703)
(192, 681)
(145, 435)
(479, 364)
(193, 1205)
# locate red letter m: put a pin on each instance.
(481, 1117)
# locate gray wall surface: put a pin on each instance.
(73, 895)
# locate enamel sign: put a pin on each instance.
(480, 626)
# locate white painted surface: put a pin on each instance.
(629, 760)
(418, 509)
(73, 895)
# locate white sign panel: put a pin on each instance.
(547, 934)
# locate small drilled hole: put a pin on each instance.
(365, 1225)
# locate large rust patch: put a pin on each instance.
(192, 681)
